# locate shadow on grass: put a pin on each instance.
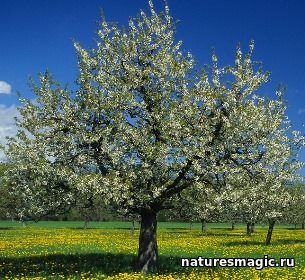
(289, 241)
(209, 233)
(242, 243)
(179, 231)
(104, 229)
(68, 265)
(253, 242)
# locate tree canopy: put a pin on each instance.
(142, 127)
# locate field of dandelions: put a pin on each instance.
(63, 250)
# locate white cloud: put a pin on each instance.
(301, 111)
(5, 87)
(7, 124)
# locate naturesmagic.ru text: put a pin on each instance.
(258, 263)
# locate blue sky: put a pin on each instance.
(37, 35)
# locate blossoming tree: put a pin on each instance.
(296, 211)
(141, 127)
(264, 193)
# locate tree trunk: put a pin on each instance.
(204, 226)
(252, 227)
(86, 224)
(295, 226)
(191, 225)
(87, 220)
(303, 225)
(249, 230)
(233, 226)
(132, 228)
(270, 230)
(148, 249)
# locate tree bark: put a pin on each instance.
(252, 227)
(204, 226)
(249, 230)
(232, 225)
(132, 228)
(148, 249)
(270, 230)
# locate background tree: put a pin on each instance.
(201, 203)
(8, 202)
(4, 193)
(296, 212)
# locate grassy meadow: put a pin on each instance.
(107, 250)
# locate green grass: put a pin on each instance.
(56, 250)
